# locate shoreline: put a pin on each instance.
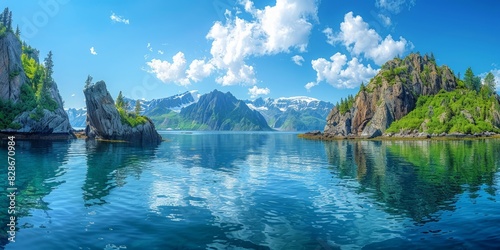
(38, 136)
(414, 137)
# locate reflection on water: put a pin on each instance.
(43, 171)
(108, 165)
(257, 191)
(418, 178)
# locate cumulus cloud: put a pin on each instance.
(359, 39)
(281, 28)
(385, 19)
(92, 51)
(170, 71)
(118, 19)
(199, 69)
(255, 91)
(394, 6)
(341, 73)
(298, 59)
(271, 30)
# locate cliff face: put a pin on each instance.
(104, 121)
(12, 77)
(389, 96)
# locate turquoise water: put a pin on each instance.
(255, 191)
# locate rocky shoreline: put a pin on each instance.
(38, 136)
(409, 135)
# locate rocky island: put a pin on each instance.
(414, 97)
(106, 121)
(30, 104)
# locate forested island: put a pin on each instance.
(413, 97)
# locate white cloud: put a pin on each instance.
(385, 19)
(118, 19)
(281, 28)
(199, 69)
(340, 73)
(297, 59)
(170, 71)
(149, 47)
(255, 91)
(309, 85)
(92, 51)
(271, 30)
(359, 39)
(160, 52)
(72, 95)
(394, 6)
(330, 37)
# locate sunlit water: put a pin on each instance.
(255, 191)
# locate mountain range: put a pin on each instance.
(193, 111)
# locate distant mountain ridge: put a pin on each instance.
(286, 113)
(298, 113)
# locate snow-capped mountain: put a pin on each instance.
(174, 103)
(77, 117)
(298, 113)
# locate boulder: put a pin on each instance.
(104, 121)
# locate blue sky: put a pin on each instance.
(322, 49)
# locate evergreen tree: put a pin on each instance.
(471, 81)
(18, 32)
(362, 87)
(9, 21)
(49, 69)
(120, 102)
(490, 83)
(5, 16)
(137, 107)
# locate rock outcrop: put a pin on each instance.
(389, 96)
(104, 121)
(12, 75)
(31, 123)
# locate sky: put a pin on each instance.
(318, 48)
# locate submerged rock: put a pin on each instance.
(104, 121)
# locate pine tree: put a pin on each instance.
(9, 21)
(137, 107)
(490, 83)
(18, 32)
(49, 70)
(120, 102)
(471, 81)
(5, 16)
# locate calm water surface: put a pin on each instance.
(255, 191)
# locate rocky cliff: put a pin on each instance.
(104, 120)
(389, 96)
(26, 114)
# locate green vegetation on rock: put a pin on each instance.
(131, 118)
(459, 111)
